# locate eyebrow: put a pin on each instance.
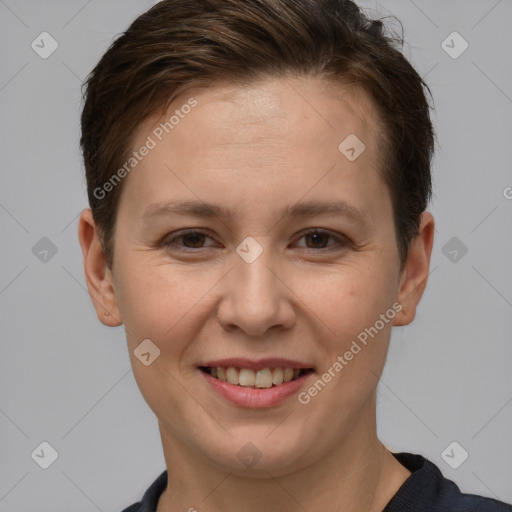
(303, 209)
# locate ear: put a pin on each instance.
(413, 279)
(97, 274)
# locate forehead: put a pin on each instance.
(275, 108)
(266, 135)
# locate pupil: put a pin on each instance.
(317, 238)
(195, 238)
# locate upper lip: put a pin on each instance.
(253, 364)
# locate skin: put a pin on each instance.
(254, 149)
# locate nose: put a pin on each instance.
(255, 297)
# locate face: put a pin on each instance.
(284, 255)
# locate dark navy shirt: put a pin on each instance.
(426, 490)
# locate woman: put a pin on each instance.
(258, 174)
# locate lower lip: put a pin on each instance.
(252, 397)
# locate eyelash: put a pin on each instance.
(341, 239)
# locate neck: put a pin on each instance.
(358, 474)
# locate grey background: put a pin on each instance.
(66, 379)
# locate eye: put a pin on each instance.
(316, 239)
(191, 240)
(319, 238)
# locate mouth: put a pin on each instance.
(263, 378)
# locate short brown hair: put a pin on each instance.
(181, 43)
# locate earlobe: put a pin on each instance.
(415, 274)
(97, 275)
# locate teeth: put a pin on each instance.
(221, 373)
(277, 376)
(246, 377)
(232, 375)
(262, 379)
(288, 374)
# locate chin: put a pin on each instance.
(256, 453)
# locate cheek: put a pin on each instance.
(352, 335)
(164, 302)
(152, 299)
(350, 308)
(347, 299)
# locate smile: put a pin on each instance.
(262, 379)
